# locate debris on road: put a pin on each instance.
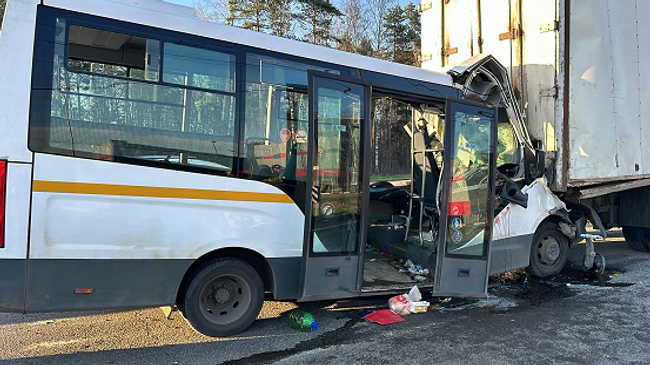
(420, 307)
(384, 317)
(408, 303)
(400, 305)
(364, 312)
(303, 321)
(416, 269)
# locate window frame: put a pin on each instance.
(66, 53)
(304, 89)
(189, 87)
(42, 78)
(162, 40)
(41, 120)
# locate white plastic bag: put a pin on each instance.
(414, 294)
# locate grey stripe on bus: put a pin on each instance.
(12, 280)
(154, 282)
(115, 283)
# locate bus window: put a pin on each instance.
(112, 54)
(391, 144)
(470, 188)
(108, 102)
(197, 67)
(276, 117)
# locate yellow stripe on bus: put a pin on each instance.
(155, 192)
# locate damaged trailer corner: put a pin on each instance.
(577, 71)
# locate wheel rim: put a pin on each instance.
(225, 299)
(548, 250)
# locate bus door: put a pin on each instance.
(337, 181)
(467, 200)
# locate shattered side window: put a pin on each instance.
(507, 144)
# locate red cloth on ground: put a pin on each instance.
(383, 317)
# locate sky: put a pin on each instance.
(191, 2)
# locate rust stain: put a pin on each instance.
(450, 51)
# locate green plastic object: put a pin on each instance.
(303, 321)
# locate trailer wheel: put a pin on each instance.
(549, 251)
(637, 238)
(223, 297)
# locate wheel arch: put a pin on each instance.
(557, 219)
(551, 218)
(254, 258)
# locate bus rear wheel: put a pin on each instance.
(637, 238)
(549, 251)
(223, 297)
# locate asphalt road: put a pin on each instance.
(572, 319)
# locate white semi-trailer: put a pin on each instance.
(580, 75)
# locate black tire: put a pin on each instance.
(222, 297)
(549, 251)
(637, 238)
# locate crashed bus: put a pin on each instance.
(150, 158)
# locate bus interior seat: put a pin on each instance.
(386, 200)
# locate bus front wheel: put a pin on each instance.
(549, 251)
(223, 297)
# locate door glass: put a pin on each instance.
(470, 190)
(336, 209)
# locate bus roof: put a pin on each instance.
(163, 15)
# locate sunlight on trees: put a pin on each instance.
(376, 28)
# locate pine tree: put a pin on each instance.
(233, 13)
(253, 15)
(414, 33)
(316, 16)
(280, 17)
(402, 34)
(395, 31)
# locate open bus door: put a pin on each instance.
(467, 199)
(337, 177)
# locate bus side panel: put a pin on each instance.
(16, 50)
(91, 228)
(286, 276)
(115, 283)
(12, 285)
(14, 253)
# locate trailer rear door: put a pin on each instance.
(461, 31)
